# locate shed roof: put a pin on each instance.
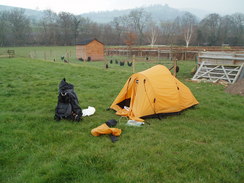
(87, 41)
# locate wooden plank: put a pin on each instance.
(218, 78)
(221, 58)
(215, 73)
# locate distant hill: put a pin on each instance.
(158, 13)
(32, 14)
(105, 16)
(198, 12)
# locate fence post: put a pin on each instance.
(133, 63)
(45, 56)
(51, 55)
(175, 65)
(158, 55)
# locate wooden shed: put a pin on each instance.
(90, 50)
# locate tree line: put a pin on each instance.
(136, 28)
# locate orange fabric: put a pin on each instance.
(104, 129)
(153, 91)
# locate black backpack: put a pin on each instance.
(68, 104)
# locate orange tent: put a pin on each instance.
(152, 92)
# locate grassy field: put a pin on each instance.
(204, 144)
(43, 53)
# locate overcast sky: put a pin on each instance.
(83, 6)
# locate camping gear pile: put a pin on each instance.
(154, 92)
(68, 104)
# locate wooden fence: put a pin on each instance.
(167, 52)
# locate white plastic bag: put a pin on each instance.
(89, 111)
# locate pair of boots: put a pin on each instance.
(106, 129)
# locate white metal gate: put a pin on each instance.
(215, 73)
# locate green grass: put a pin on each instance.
(204, 144)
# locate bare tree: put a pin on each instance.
(210, 27)
(152, 33)
(20, 26)
(169, 32)
(238, 31)
(50, 28)
(88, 29)
(5, 29)
(75, 28)
(65, 21)
(108, 35)
(130, 39)
(187, 23)
(137, 20)
(118, 24)
(226, 29)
